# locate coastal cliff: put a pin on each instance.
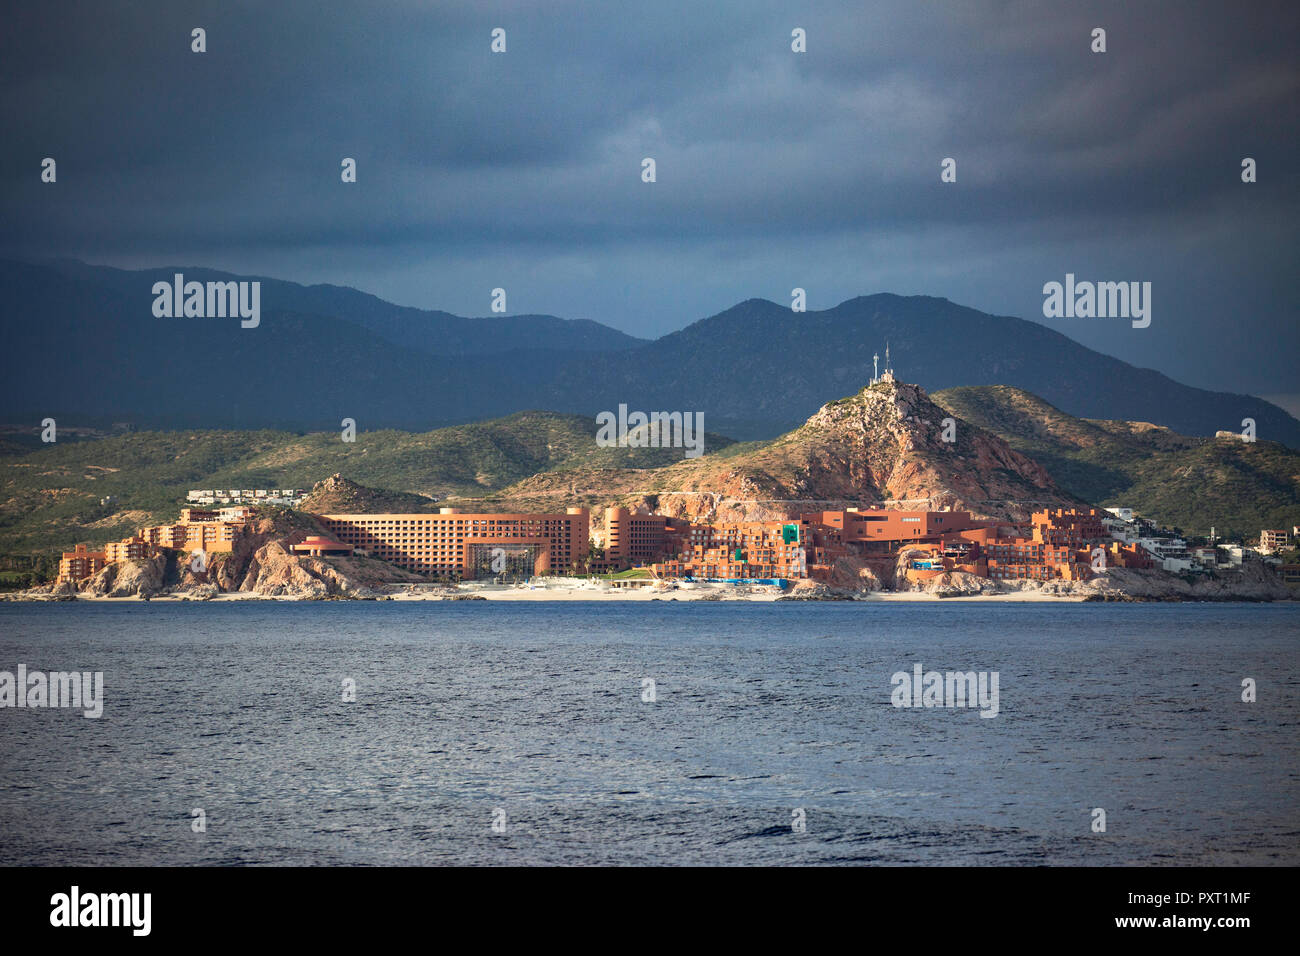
(261, 564)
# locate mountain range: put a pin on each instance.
(83, 347)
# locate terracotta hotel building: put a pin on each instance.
(462, 545)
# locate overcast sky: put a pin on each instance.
(775, 169)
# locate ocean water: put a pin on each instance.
(465, 710)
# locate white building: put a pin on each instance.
(1120, 530)
(1205, 557)
(1231, 555)
(1170, 552)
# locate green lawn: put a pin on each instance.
(625, 575)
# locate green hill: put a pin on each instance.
(1176, 480)
(96, 491)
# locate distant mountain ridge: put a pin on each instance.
(84, 347)
(759, 362)
(426, 329)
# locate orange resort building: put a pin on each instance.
(126, 549)
(749, 550)
(197, 529)
(317, 547)
(1054, 544)
(461, 545)
(80, 563)
(636, 539)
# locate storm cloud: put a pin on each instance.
(775, 169)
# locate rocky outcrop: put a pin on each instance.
(53, 591)
(1255, 582)
(816, 591)
(339, 495)
(889, 442)
(853, 573)
(200, 592)
(141, 577)
(274, 571)
(228, 570)
(957, 584)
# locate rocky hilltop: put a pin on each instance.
(339, 495)
(882, 447)
(887, 445)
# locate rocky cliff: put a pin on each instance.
(140, 577)
(1255, 582)
(262, 563)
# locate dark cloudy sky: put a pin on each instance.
(775, 169)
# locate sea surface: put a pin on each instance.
(468, 712)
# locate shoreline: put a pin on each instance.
(569, 593)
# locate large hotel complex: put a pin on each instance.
(454, 545)
(1053, 545)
